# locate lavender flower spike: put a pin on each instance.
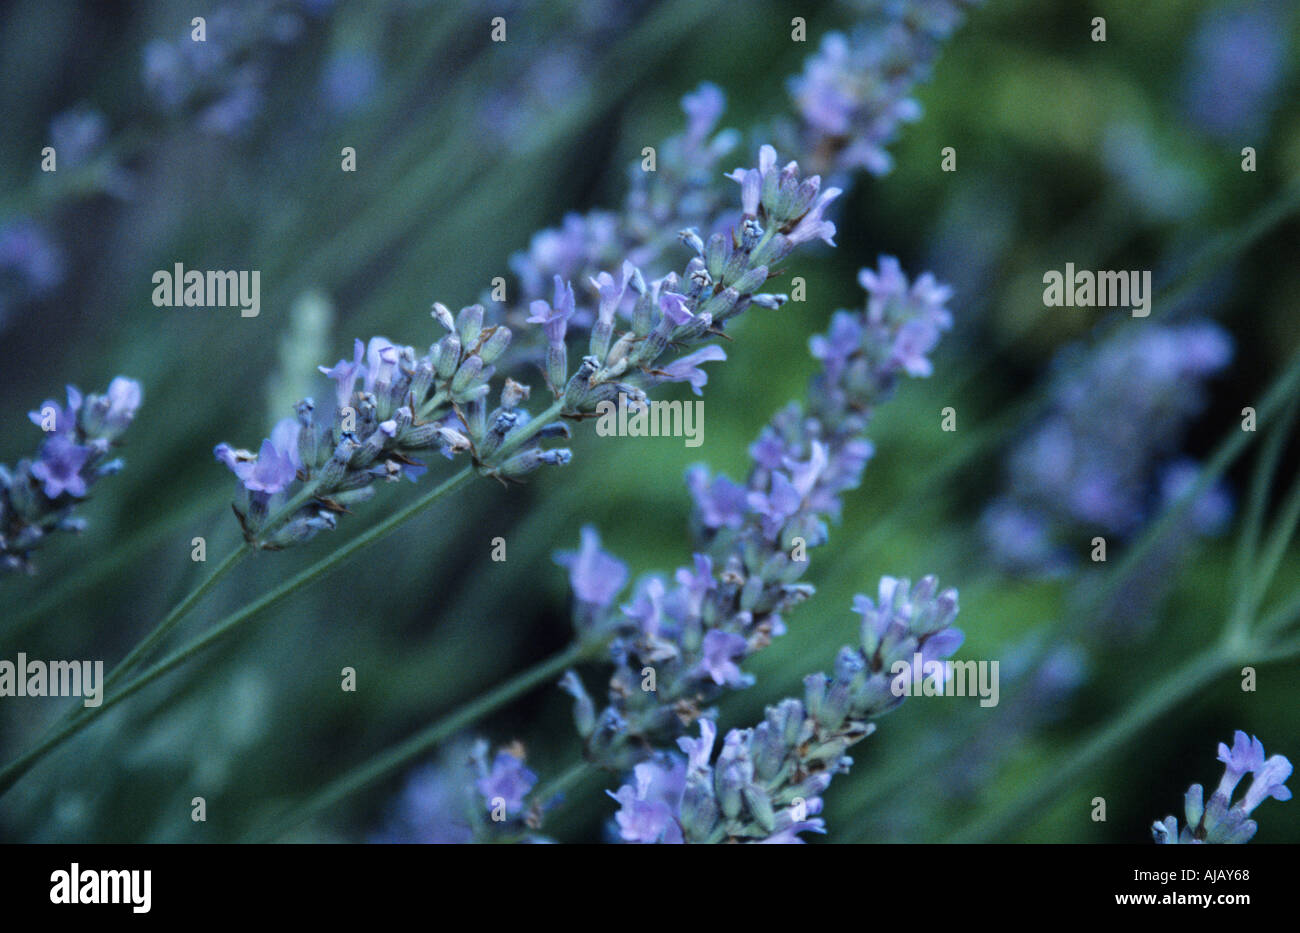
(1220, 820)
(767, 781)
(37, 496)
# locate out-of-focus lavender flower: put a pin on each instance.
(31, 265)
(1220, 820)
(1237, 60)
(432, 808)
(464, 798)
(348, 81)
(221, 80)
(856, 91)
(38, 495)
(78, 135)
(1211, 513)
(1101, 461)
(508, 781)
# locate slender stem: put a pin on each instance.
(1248, 592)
(404, 752)
(94, 573)
(1282, 615)
(562, 783)
(173, 618)
(1163, 696)
(1276, 546)
(83, 717)
(1283, 651)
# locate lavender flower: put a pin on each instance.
(507, 782)
(856, 91)
(410, 405)
(463, 797)
(1237, 61)
(78, 135)
(1221, 820)
(767, 781)
(696, 630)
(39, 496)
(595, 575)
(1102, 461)
(31, 265)
(682, 193)
(221, 81)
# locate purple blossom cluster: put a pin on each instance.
(529, 86)
(393, 406)
(38, 496)
(766, 783)
(468, 795)
(1237, 62)
(856, 91)
(683, 192)
(1104, 460)
(389, 408)
(1221, 820)
(32, 265)
(695, 632)
(221, 80)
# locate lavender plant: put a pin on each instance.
(39, 495)
(767, 780)
(692, 639)
(855, 93)
(790, 208)
(1221, 819)
(753, 538)
(308, 471)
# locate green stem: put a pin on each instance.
(83, 717)
(407, 751)
(1164, 696)
(1248, 594)
(173, 618)
(1282, 615)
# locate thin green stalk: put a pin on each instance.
(105, 564)
(15, 770)
(1283, 651)
(1282, 615)
(173, 618)
(407, 751)
(1248, 595)
(1278, 541)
